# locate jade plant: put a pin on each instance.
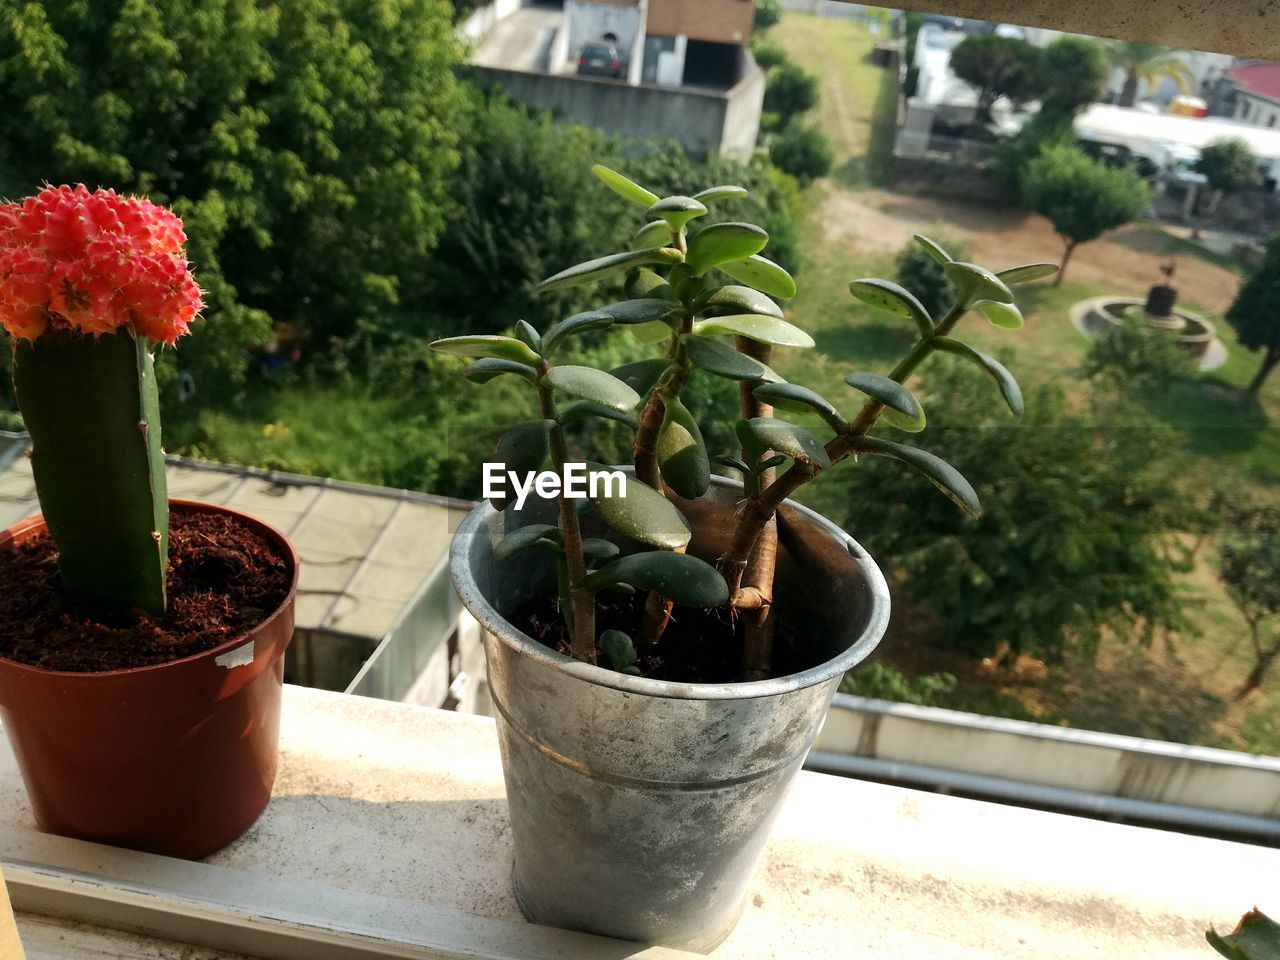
(707, 300)
(90, 282)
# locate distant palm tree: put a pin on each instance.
(1147, 63)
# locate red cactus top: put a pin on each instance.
(94, 261)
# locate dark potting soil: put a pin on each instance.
(224, 579)
(698, 646)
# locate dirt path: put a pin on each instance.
(1128, 258)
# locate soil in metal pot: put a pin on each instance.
(698, 646)
(224, 579)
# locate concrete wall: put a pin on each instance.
(588, 22)
(719, 21)
(482, 19)
(703, 122)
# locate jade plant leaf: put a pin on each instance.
(677, 211)
(643, 283)
(892, 298)
(653, 331)
(588, 383)
(643, 374)
(1027, 272)
(502, 348)
(623, 187)
(655, 234)
(786, 438)
(617, 652)
(723, 360)
(757, 327)
(932, 249)
(763, 275)
(973, 283)
(682, 453)
(486, 368)
(578, 323)
(526, 333)
(578, 410)
(522, 449)
(722, 243)
(524, 537)
(641, 310)
(686, 580)
(797, 399)
(595, 548)
(725, 192)
(901, 408)
(736, 299)
(940, 473)
(641, 513)
(1256, 937)
(993, 368)
(1005, 315)
(603, 266)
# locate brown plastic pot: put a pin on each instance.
(176, 758)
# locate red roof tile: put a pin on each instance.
(1261, 78)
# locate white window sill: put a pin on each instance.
(388, 837)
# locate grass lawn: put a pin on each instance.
(1216, 437)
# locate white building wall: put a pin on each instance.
(589, 23)
(1257, 111)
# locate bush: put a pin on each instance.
(924, 277)
(1229, 165)
(883, 682)
(768, 13)
(997, 67)
(1255, 314)
(1133, 356)
(790, 90)
(768, 54)
(802, 151)
(1073, 74)
(1048, 128)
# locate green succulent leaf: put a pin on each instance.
(503, 348)
(769, 463)
(733, 299)
(1027, 272)
(677, 211)
(642, 514)
(797, 399)
(997, 371)
(643, 283)
(1256, 937)
(588, 383)
(973, 283)
(594, 548)
(524, 537)
(643, 374)
(686, 580)
(940, 473)
(526, 333)
(623, 187)
(726, 192)
(901, 408)
(889, 296)
(1005, 315)
(486, 368)
(786, 438)
(734, 463)
(641, 310)
(762, 274)
(722, 243)
(618, 653)
(756, 327)
(655, 234)
(603, 266)
(578, 323)
(932, 249)
(723, 360)
(654, 331)
(577, 410)
(682, 453)
(522, 449)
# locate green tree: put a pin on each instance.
(1073, 74)
(768, 54)
(924, 277)
(1250, 570)
(802, 151)
(307, 145)
(1255, 314)
(1133, 356)
(997, 67)
(768, 13)
(1081, 197)
(1048, 128)
(1229, 166)
(1147, 63)
(790, 90)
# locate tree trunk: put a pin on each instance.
(1257, 674)
(1129, 92)
(1269, 361)
(1062, 267)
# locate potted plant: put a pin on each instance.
(663, 646)
(141, 660)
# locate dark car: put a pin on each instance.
(600, 60)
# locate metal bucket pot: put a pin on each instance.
(640, 807)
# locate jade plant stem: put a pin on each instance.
(757, 512)
(757, 577)
(581, 615)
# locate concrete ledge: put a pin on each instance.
(388, 838)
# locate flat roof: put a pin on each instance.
(366, 551)
(1126, 124)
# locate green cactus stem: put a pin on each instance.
(93, 412)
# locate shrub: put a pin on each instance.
(923, 275)
(1073, 74)
(768, 54)
(768, 13)
(1255, 315)
(1048, 128)
(790, 90)
(1229, 165)
(997, 67)
(1133, 356)
(883, 682)
(802, 151)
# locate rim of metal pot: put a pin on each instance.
(475, 525)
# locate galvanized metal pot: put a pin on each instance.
(639, 807)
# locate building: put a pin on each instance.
(672, 68)
(1252, 93)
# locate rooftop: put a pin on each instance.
(1261, 78)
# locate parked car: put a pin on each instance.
(600, 60)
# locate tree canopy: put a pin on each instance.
(1147, 63)
(997, 67)
(1073, 74)
(1229, 165)
(1255, 314)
